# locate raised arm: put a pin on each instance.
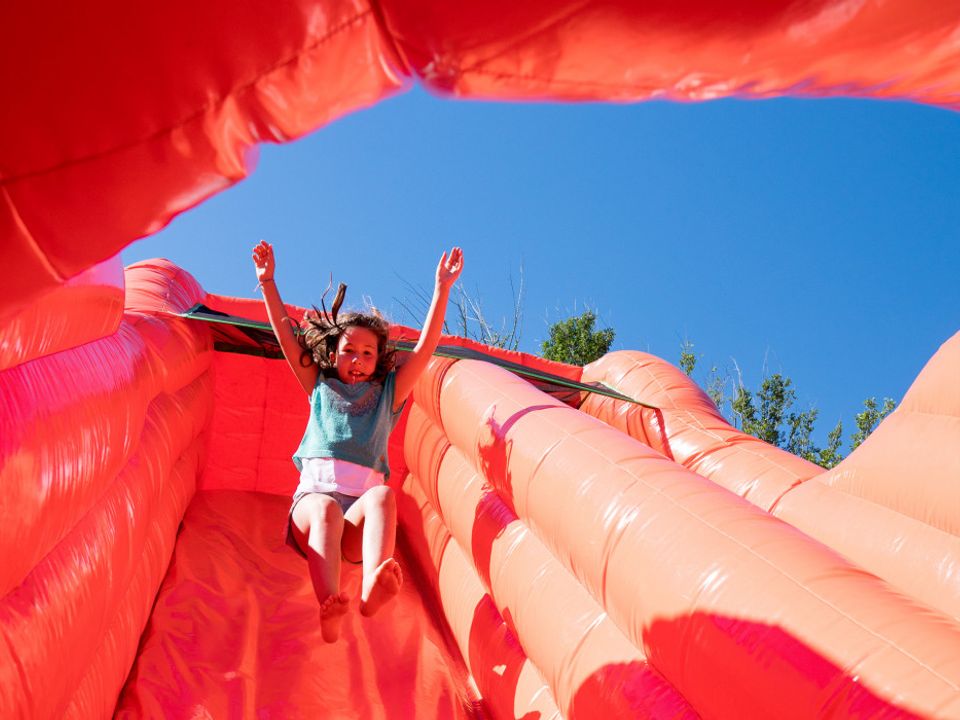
(448, 270)
(282, 325)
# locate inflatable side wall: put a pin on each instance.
(100, 447)
(887, 508)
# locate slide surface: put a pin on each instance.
(235, 633)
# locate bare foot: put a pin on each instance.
(380, 586)
(331, 613)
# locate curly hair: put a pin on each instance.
(321, 331)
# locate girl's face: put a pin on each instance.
(356, 355)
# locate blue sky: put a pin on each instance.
(817, 238)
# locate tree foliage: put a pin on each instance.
(830, 456)
(717, 381)
(688, 359)
(868, 420)
(575, 341)
(764, 418)
(768, 413)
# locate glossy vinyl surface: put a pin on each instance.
(583, 562)
(235, 632)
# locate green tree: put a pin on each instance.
(744, 412)
(575, 341)
(868, 420)
(717, 387)
(767, 413)
(762, 414)
(688, 360)
(799, 438)
(775, 398)
(830, 456)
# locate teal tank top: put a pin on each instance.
(350, 422)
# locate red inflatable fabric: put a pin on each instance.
(261, 411)
(94, 401)
(86, 307)
(235, 633)
(511, 686)
(580, 572)
(100, 448)
(103, 674)
(49, 486)
(691, 50)
(120, 116)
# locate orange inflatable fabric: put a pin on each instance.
(579, 557)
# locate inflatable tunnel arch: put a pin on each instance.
(583, 556)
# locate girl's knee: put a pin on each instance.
(381, 496)
(326, 511)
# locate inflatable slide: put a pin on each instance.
(568, 553)
(577, 542)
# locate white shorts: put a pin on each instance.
(327, 475)
(344, 481)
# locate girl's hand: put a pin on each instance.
(263, 260)
(449, 268)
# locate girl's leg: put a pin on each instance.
(371, 523)
(318, 527)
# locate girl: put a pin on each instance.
(342, 504)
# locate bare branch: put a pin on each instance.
(469, 315)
